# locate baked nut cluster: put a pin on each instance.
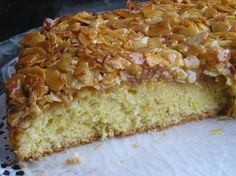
(181, 40)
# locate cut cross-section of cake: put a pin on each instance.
(91, 76)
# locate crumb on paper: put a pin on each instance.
(216, 131)
(225, 118)
(97, 146)
(40, 171)
(135, 145)
(22, 165)
(121, 161)
(76, 159)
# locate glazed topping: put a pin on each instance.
(180, 40)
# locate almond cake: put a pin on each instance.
(90, 76)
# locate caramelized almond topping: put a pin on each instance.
(162, 39)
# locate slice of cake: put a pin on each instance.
(91, 76)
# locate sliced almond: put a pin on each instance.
(220, 27)
(54, 80)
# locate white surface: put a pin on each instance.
(179, 151)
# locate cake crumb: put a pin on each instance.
(97, 146)
(40, 171)
(121, 161)
(135, 145)
(225, 118)
(76, 159)
(22, 165)
(216, 131)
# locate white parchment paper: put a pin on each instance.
(183, 150)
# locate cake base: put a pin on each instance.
(157, 127)
(120, 111)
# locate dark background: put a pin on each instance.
(18, 16)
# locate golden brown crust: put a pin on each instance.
(34, 156)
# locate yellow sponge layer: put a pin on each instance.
(119, 111)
